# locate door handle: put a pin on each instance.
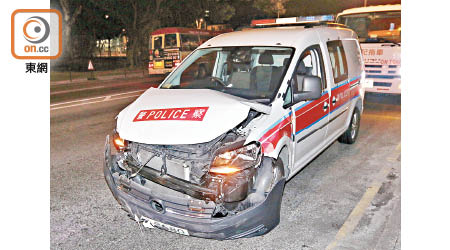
(325, 106)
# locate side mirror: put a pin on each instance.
(311, 88)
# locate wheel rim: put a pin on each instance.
(354, 125)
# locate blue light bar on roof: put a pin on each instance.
(329, 18)
(293, 20)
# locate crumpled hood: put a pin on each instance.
(180, 116)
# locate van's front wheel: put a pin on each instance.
(350, 135)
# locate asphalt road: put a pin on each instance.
(60, 93)
(347, 198)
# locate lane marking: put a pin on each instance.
(113, 85)
(382, 116)
(75, 90)
(86, 103)
(131, 76)
(396, 154)
(357, 213)
(98, 97)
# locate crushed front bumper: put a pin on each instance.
(136, 200)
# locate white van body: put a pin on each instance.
(283, 135)
(380, 44)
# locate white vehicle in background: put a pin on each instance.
(379, 32)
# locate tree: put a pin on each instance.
(313, 7)
(86, 20)
(271, 7)
(243, 16)
(186, 13)
(220, 11)
(70, 12)
(94, 24)
(138, 17)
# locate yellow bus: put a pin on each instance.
(169, 46)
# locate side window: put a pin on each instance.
(309, 64)
(338, 61)
(353, 54)
(288, 96)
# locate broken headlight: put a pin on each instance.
(238, 159)
(119, 143)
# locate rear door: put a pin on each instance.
(158, 52)
(342, 59)
(171, 50)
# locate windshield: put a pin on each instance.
(157, 42)
(375, 27)
(250, 72)
(189, 42)
(170, 41)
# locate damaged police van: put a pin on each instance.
(209, 151)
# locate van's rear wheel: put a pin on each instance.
(350, 135)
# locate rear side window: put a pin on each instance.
(338, 60)
(355, 61)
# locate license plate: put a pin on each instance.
(159, 64)
(149, 223)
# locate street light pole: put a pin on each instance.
(206, 18)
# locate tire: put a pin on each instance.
(350, 135)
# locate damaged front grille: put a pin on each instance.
(189, 162)
(185, 171)
(185, 168)
(181, 206)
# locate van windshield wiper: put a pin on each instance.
(265, 101)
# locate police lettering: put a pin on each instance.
(190, 114)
